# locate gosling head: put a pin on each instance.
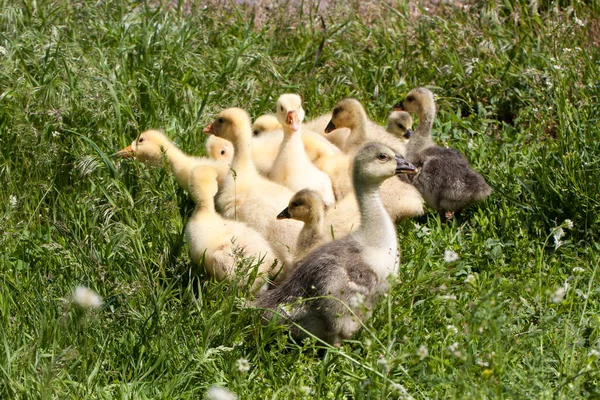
(265, 123)
(230, 124)
(148, 147)
(219, 149)
(399, 124)
(203, 183)
(376, 162)
(417, 101)
(347, 113)
(306, 205)
(289, 111)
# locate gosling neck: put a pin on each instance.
(205, 203)
(358, 135)
(375, 222)
(179, 162)
(422, 136)
(242, 153)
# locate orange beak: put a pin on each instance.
(292, 120)
(209, 130)
(126, 152)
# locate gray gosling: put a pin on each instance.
(334, 288)
(445, 178)
(306, 206)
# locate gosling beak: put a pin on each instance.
(209, 130)
(408, 134)
(292, 120)
(126, 152)
(399, 106)
(285, 214)
(404, 167)
(330, 127)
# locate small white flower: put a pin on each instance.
(578, 270)
(382, 363)
(450, 256)
(453, 347)
(358, 300)
(422, 351)
(449, 297)
(86, 298)
(399, 389)
(12, 201)
(55, 134)
(219, 393)
(470, 279)
(305, 389)
(474, 60)
(3, 50)
(558, 295)
(579, 22)
(558, 233)
(594, 353)
(452, 329)
(482, 363)
(242, 365)
(568, 224)
(557, 67)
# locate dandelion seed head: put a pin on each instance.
(219, 393)
(86, 298)
(450, 256)
(558, 295)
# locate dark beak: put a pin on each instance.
(330, 127)
(408, 133)
(404, 167)
(285, 214)
(398, 106)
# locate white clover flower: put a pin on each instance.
(452, 328)
(470, 279)
(86, 298)
(219, 393)
(422, 351)
(243, 365)
(450, 256)
(12, 201)
(558, 295)
(578, 270)
(594, 353)
(568, 224)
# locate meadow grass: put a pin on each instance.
(517, 315)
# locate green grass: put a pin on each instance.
(517, 91)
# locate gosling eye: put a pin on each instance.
(336, 111)
(401, 126)
(255, 132)
(410, 98)
(220, 120)
(281, 108)
(140, 140)
(223, 152)
(295, 204)
(382, 157)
